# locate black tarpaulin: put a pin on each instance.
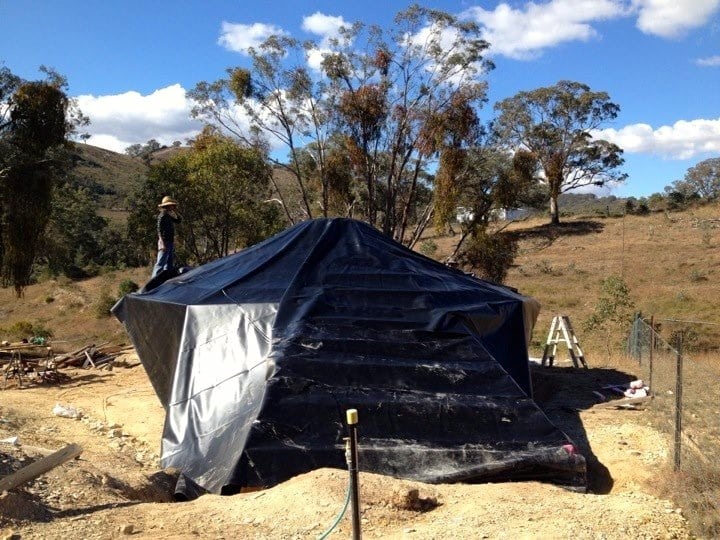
(257, 356)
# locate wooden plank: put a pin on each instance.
(89, 359)
(623, 403)
(40, 467)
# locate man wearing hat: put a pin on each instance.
(167, 218)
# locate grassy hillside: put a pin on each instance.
(107, 174)
(669, 261)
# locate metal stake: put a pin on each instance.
(352, 420)
(678, 402)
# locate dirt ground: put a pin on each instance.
(116, 489)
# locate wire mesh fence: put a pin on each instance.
(686, 399)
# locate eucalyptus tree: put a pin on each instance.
(282, 105)
(701, 180)
(555, 123)
(491, 179)
(399, 100)
(370, 92)
(36, 119)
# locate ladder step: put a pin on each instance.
(561, 331)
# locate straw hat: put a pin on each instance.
(167, 201)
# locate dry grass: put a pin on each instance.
(669, 262)
(69, 309)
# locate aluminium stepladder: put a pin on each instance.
(562, 331)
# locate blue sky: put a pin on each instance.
(129, 62)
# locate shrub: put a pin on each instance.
(697, 276)
(127, 286)
(614, 307)
(38, 330)
(103, 305)
(490, 255)
(428, 248)
(26, 329)
(20, 329)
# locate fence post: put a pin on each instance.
(652, 348)
(678, 400)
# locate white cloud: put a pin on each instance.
(326, 26)
(671, 18)
(524, 33)
(710, 61)
(683, 140)
(240, 37)
(315, 58)
(117, 121)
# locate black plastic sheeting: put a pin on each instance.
(257, 356)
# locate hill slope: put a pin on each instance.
(669, 261)
(107, 174)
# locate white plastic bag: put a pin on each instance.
(66, 411)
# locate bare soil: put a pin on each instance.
(116, 488)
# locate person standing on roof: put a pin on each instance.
(167, 218)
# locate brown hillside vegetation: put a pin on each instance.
(116, 487)
(107, 172)
(669, 261)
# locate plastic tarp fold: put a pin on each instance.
(257, 356)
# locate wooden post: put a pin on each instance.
(32, 471)
(652, 351)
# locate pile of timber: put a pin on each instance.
(37, 362)
(92, 356)
(26, 350)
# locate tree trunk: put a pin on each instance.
(554, 213)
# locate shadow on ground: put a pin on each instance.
(563, 392)
(547, 234)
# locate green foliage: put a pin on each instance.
(554, 123)
(491, 179)
(74, 235)
(677, 200)
(127, 286)
(223, 190)
(143, 151)
(26, 330)
(103, 304)
(40, 331)
(615, 309)
(388, 103)
(657, 202)
(490, 255)
(33, 133)
(701, 181)
(428, 248)
(636, 206)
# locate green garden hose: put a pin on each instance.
(338, 518)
